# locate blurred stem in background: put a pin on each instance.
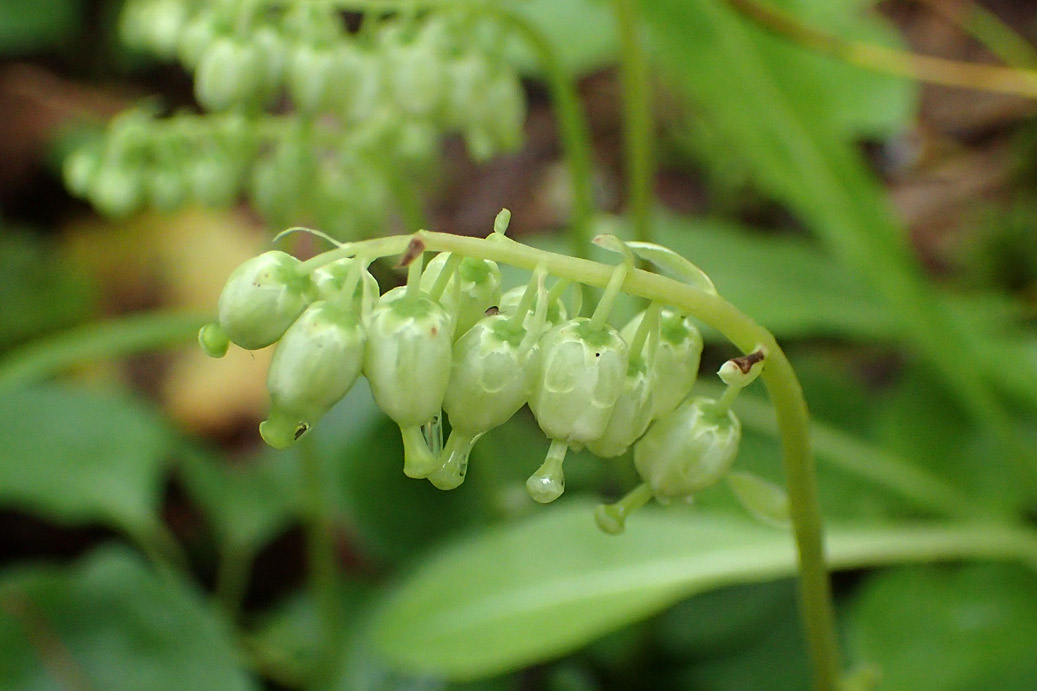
(321, 554)
(1008, 80)
(637, 119)
(572, 130)
(987, 28)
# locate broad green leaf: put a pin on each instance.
(776, 660)
(110, 622)
(27, 25)
(948, 629)
(78, 456)
(40, 293)
(920, 421)
(723, 621)
(292, 634)
(792, 141)
(578, 52)
(854, 101)
(247, 503)
(536, 589)
(392, 515)
(787, 283)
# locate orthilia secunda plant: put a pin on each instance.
(588, 384)
(448, 341)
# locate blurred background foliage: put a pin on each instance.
(882, 228)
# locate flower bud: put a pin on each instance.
(355, 85)
(407, 361)
(474, 288)
(331, 280)
(630, 416)
(688, 450)
(581, 378)
(262, 298)
(228, 73)
(309, 77)
(117, 189)
(214, 180)
(272, 49)
(280, 181)
(416, 74)
(469, 76)
(80, 168)
(675, 361)
(491, 376)
(166, 189)
(316, 363)
(509, 302)
(197, 34)
(504, 104)
(490, 380)
(213, 340)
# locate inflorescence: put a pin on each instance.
(451, 341)
(312, 119)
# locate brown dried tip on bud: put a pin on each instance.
(746, 362)
(414, 250)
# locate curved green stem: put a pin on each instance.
(637, 120)
(232, 578)
(986, 27)
(782, 385)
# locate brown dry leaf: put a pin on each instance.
(209, 396)
(181, 260)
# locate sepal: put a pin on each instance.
(474, 287)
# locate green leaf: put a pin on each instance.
(920, 421)
(40, 292)
(945, 629)
(539, 588)
(579, 52)
(248, 503)
(111, 623)
(763, 275)
(27, 25)
(763, 499)
(854, 101)
(291, 636)
(724, 621)
(772, 655)
(78, 456)
(793, 141)
(393, 515)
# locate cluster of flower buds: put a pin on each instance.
(450, 341)
(369, 108)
